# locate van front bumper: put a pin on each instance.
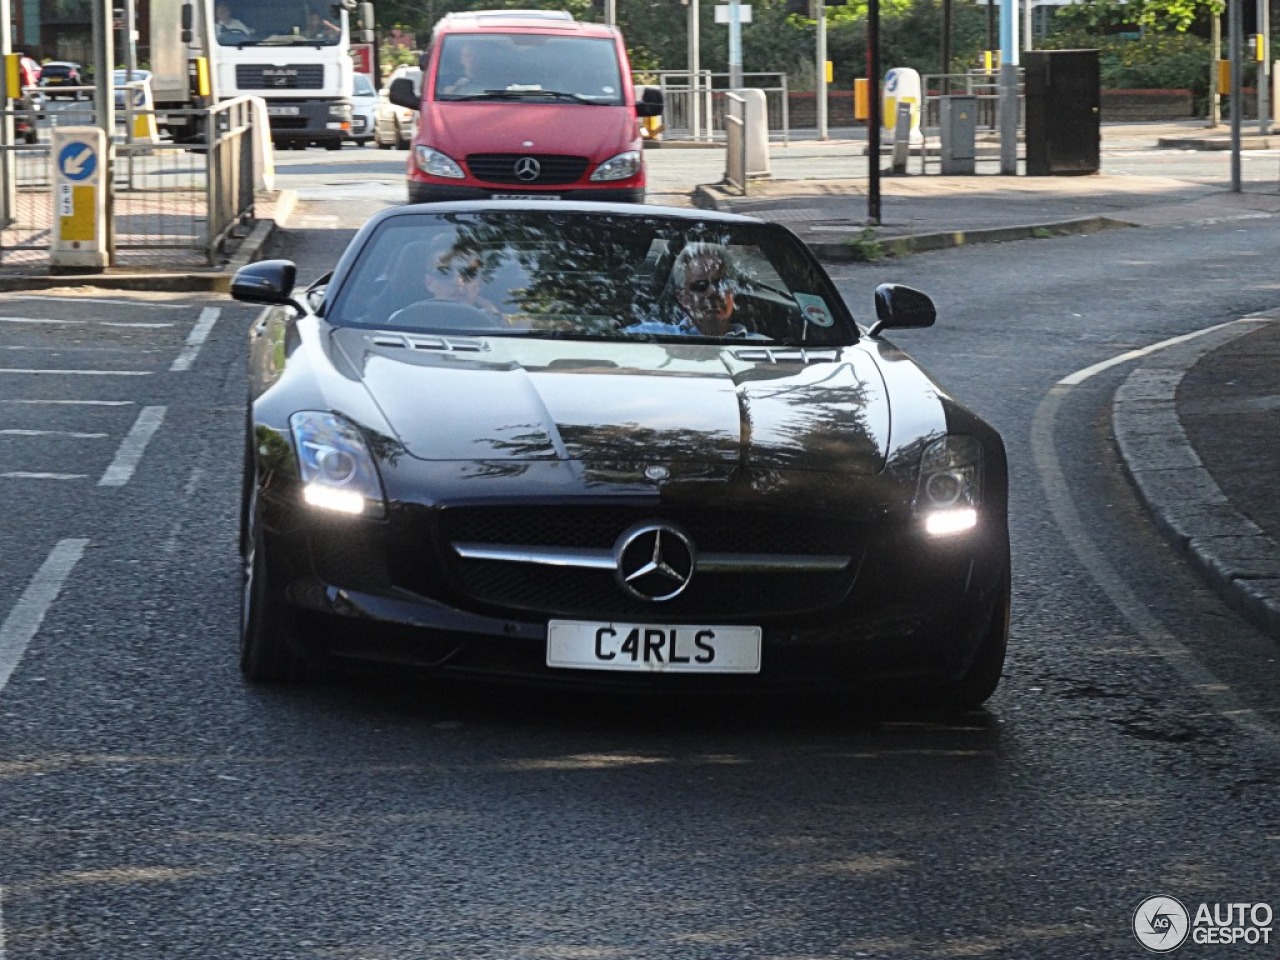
(436, 192)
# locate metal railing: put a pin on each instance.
(985, 87)
(694, 105)
(170, 204)
(735, 158)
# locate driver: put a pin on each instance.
(228, 23)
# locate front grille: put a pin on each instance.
(533, 589)
(501, 168)
(293, 76)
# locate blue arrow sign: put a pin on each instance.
(77, 160)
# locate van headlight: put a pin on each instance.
(621, 167)
(436, 163)
(336, 469)
(950, 487)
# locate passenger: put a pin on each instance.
(702, 284)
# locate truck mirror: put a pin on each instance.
(366, 16)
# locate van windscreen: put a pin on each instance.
(528, 66)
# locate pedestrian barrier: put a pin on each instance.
(694, 106)
(169, 204)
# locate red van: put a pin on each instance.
(526, 104)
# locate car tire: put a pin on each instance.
(266, 628)
(980, 680)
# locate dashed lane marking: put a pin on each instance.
(199, 334)
(29, 612)
(132, 447)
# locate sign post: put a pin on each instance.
(79, 199)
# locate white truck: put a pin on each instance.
(295, 54)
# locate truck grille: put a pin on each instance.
(292, 76)
(553, 169)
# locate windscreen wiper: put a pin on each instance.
(521, 94)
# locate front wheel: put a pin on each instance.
(266, 628)
(979, 682)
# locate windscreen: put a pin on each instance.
(610, 276)
(239, 23)
(475, 66)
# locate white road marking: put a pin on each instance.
(132, 447)
(76, 403)
(199, 333)
(42, 320)
(143, 326)
(52, 433)
(1159, 638)
(1080, 376)
(127, 303)
(28, 613)
(81, 373)
(28, 475)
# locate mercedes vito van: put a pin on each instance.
(526, 104)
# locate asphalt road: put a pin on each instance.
(153, 806)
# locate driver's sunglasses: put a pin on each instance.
(704, 286)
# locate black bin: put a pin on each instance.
(1063, 112)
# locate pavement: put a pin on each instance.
(1197, 423)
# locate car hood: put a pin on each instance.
(509, 399)
(461, 129)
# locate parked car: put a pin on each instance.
(60, 74)
(612, 445)
(394, 125)
(527, 103)
(364, 108)
(118, 79)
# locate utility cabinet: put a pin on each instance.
(957, 133)
(1063, 101)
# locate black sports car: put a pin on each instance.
(612, 444)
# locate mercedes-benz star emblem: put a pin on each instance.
(654, 561)
(527, 169)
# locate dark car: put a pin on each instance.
(605, 444)
(62, 74)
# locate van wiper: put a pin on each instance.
(523, 94)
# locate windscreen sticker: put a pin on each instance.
(815, 310)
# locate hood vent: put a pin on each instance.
(786, 355)
(439, 344)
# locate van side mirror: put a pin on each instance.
(402, 94)
(649, 102)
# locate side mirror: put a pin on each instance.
(902, 307)
(649, 103)
(402, 94)
(267, 281)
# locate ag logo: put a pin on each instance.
(1161, 924)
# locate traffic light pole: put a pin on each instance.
(873, 112)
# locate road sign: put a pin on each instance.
(77, 161)
(723, 13)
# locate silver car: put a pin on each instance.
(364, 108)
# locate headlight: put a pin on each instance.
(950, 488)
(621, 167)
(341, 111)
(336, 469)
(436, 163)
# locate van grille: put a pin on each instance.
(501, 168)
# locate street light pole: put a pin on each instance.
(873, 112)
(1235, 36)
(695, 55)
(1264, 67)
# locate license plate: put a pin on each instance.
(653, 648)
(283, 111)
(526, 196)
